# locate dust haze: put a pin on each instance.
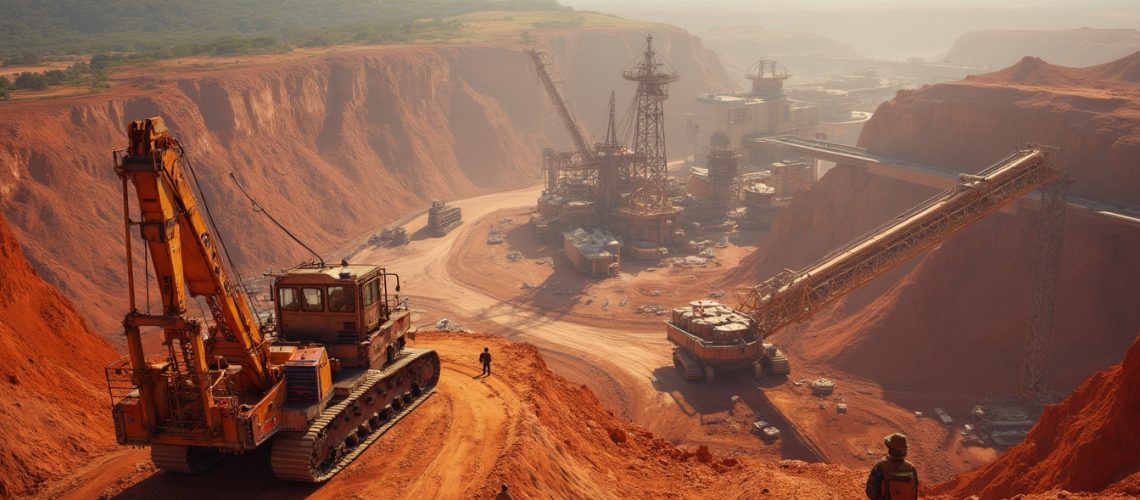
(879, 29)
(569, 249)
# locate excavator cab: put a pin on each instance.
(348, 309)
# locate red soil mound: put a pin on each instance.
(568, 445)
(53, 404)
(1031, 71)
(1088, 443)
(954, 320)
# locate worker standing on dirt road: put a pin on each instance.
(893, 477)
(485, 358)
(504, 494)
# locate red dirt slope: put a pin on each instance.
(568, 445)
(53, 405)
(523, 425)
(1088, 443)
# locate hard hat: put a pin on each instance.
(896, 442)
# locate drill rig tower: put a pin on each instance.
(614, 165)
(649, 214)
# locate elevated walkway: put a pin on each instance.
(925, 174)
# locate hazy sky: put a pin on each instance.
(879, 28)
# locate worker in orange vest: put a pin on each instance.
(893, 477)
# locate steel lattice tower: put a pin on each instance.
(1046, 270)
(649, 173)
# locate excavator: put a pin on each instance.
(710, 337)
(319, 384)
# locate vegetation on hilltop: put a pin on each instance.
(171, 28)
(79, 72)
(128, 31)
(49, 45)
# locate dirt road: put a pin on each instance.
(624, 358)
(431, 287)
(628, 364)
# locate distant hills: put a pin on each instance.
(1121, 73)
(1075, 47)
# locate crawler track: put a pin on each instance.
(345, 429)
(687, 365)
(185, 459)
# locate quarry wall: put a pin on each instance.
(337, 144)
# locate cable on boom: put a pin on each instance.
(218, 234)
(258, 208)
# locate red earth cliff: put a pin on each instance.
(52, 399)
(1092, 114)
(953, 320)
(336, 144)
(1088, 443)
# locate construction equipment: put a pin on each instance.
(591, 174)
(649, 173)
(767, 78)
(792, 296)
(319, 386)
(577, 133)
(729, 339)
(1046, 271)
(394, 236)
(608, 185)
(442, 218)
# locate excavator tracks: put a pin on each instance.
(184, 459)
(687, 365)
(344, 430)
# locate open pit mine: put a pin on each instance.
(274, 275)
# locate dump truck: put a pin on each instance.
(442, 218)
(711, 336)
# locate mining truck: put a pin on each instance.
(394, 236)
(710, 337)
(318, 385)
(442, 218)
